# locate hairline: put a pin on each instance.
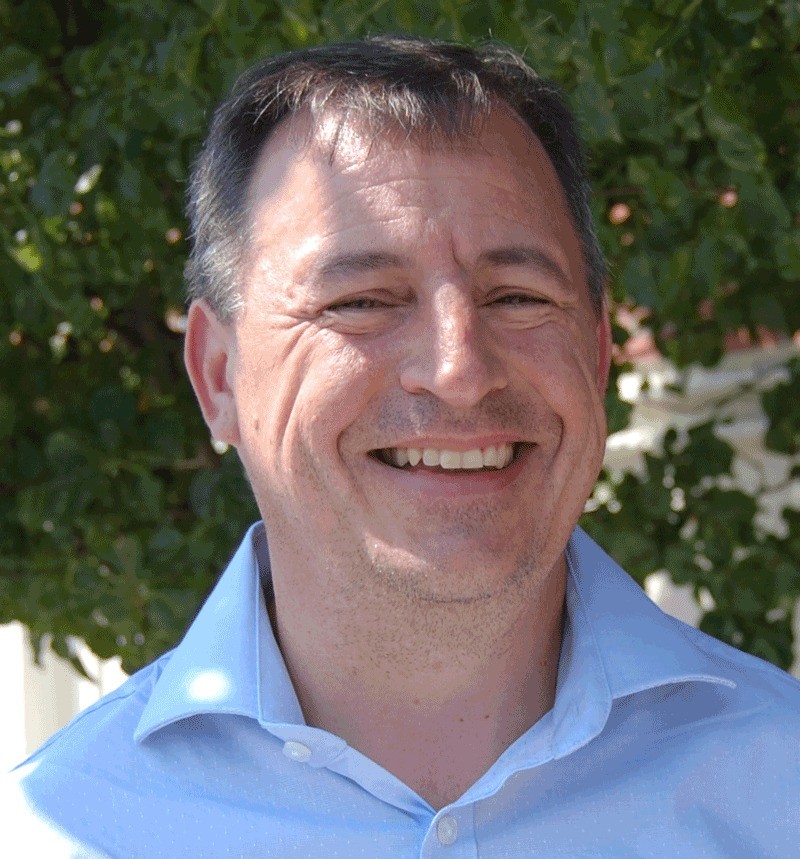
(360, 80)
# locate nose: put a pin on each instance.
(453, 355)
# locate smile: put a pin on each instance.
(494, 457)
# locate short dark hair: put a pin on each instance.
(431, 91)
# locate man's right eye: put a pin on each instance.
(358, 304)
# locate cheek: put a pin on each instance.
(306, 399)
(560, 361)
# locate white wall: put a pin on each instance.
(39, 700)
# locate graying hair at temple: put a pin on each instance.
(433, 93)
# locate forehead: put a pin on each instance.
(332, 145)
(329, 181)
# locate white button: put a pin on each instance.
(447, 830)
(297, 751)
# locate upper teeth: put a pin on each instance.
(497, 456)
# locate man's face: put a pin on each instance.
(395, 301)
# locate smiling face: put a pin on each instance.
(403, 303)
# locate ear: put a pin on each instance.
(604, 343)
(209, 353)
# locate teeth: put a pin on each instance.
(430, 456)
(400, 457)
(491, 457)
(450, 459)
(472, 459)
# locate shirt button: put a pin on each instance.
(447, 830)
(297, 752)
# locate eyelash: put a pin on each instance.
(376, 304)
(522, 298)
(349, 305)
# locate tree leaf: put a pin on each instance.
(20, 70)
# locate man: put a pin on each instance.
(398, 320)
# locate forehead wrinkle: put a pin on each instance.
(334, 232)
(386, 187)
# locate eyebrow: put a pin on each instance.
(527, 256)
(341, 266)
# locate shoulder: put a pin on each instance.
(758, 683)
(755, 716)
(720, 746)
(106, 726)
(56, 790)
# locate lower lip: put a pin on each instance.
(455, 484)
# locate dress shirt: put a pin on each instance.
(662, 742)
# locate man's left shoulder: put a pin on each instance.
(763, 693)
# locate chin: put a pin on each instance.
(448, 573)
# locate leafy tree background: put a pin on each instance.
(117, 513)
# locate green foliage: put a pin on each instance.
(117, 512)
(782, 405)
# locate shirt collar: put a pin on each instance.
(616, 642)
(637, 644)
(228, 661)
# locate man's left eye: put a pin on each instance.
(520, 298)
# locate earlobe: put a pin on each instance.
(209, 353)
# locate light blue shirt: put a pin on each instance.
(662, 742)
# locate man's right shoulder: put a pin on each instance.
(108, 724)
(99, 738)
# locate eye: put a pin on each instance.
(358, 304)
(520, 298)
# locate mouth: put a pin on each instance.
(478, 460)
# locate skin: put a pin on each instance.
(397, 296)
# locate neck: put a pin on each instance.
(433, 692)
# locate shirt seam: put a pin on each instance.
(716, 649)
(708, 721)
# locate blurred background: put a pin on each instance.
(118, 512)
